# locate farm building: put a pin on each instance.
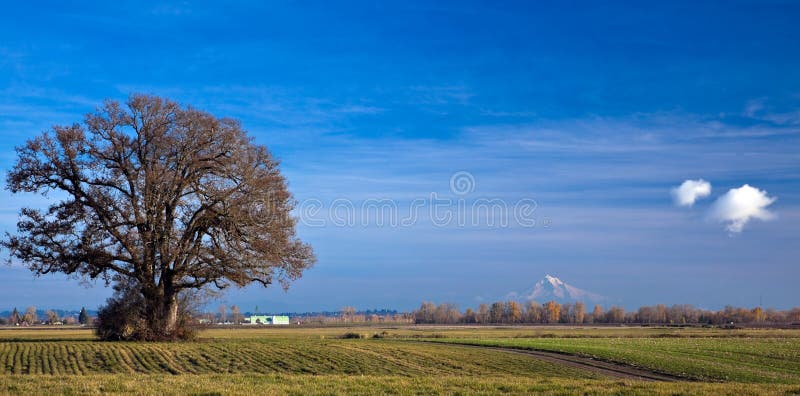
(268, 319)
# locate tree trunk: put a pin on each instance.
(161, 314)
(170, 319)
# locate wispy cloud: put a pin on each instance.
(603, 158)
(761, 109)
(275, 106)
(359, 109)
(440, 95)
(26, 109)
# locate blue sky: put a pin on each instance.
(593, 110)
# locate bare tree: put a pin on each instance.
(565, 313)
(237, 314)
(645, 315)
(513, 312)
(446, 313)
(615, 314)
(223, 317)
(661, 313)
(758, 314)
(497, 312)
(533, 312)
(579, 312)
(348, 314)
(483, 314)
(52, 316)
(470, 316)
(552, 311)
(598, 315)
(425, 313)
(168, 196)
(30, 316)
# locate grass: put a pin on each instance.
(297, 360)
(769, 360)
(247, 384)
(267, 356)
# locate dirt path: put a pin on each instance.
(616, 370)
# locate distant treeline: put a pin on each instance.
(32, 316)
(352, 315)
(366, 313)
(233, 315)
(552, 312)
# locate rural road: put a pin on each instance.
(616, 370)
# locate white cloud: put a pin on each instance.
(690, 191)
(739, 205)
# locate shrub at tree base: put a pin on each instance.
(123, 318)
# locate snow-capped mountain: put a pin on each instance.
(552, 288)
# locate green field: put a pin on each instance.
(404, 360)
(707, 359)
